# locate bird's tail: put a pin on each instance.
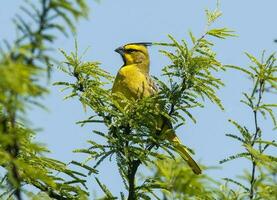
(170, 135)
(185, 155)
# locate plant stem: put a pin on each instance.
(10, 126)
(133, 167)
(37, 41)
(51, 193)
(257, 130)
(13, 151)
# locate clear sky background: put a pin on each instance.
(113, 23)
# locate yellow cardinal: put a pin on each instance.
(133, 81)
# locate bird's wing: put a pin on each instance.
(153, 89)
(167, 129)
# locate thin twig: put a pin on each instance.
(257, 130)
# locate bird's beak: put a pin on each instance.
(120, 50)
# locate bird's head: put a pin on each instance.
(135, 53)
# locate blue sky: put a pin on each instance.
(113, 23)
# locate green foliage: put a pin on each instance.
(23, 162)
(261, 185)
(130, 136)
(37, 27)
(191, 74)
(130, 133)
(181, 182)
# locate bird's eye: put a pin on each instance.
(130, 50)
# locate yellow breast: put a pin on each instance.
(131, 83)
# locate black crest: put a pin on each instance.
(143, 43)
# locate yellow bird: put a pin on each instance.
(133, 81)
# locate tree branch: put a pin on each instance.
(133, 167)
